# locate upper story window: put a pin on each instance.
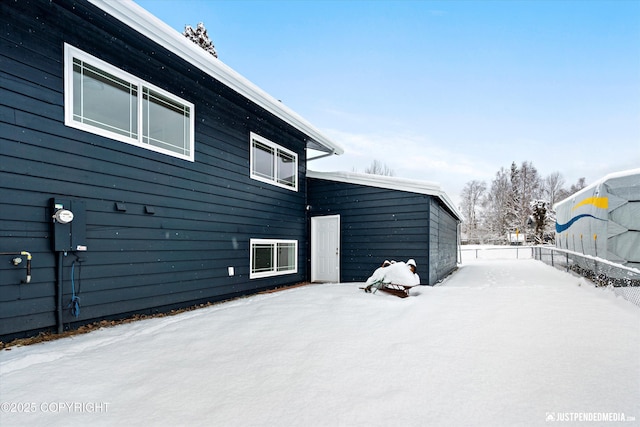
(102, 99)
(273, 164)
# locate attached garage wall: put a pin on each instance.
(376, 224)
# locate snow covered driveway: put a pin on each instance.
(499, 343)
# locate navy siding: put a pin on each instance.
(204, 213)
(443, 236)
(376, 224)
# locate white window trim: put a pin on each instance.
(71, 52)
(276, 147)
(274, 262)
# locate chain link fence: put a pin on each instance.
(623, 281)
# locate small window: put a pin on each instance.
(273, 257)
(107, 101)
(273, 164)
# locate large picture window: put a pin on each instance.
(273, 257)
(107, 101)
(273, 164)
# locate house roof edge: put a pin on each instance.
(139, 19)
(391, 183)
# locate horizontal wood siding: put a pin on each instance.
(376, 224)
(443, 237)
(184, 222)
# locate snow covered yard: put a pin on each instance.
(500, 343)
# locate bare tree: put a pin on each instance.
(379, 168)
(471, 196)
(553, 188)
(497, 205)
(577, 186)
(199, 36)
(564, 193)
(518, 199)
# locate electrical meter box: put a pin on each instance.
(69, 225)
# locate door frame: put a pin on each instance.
(314, 254)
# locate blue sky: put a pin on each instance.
(443, 91)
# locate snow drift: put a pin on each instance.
(502, 343)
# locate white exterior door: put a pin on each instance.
(325, 248)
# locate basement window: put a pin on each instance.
(273, 257)
(273, 164)
(106, 101)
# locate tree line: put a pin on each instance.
(518, 201)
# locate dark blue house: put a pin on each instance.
(185, 181)
(139, 173)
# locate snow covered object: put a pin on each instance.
(603, 219)
(396, 279)
(200, 37)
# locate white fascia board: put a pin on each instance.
(389, 182)
(139, 19)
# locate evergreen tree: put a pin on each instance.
(526, 184)
(512, 214)
(531, 189)
(539, 219)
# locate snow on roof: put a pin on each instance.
(153, 28)
(390, 182)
